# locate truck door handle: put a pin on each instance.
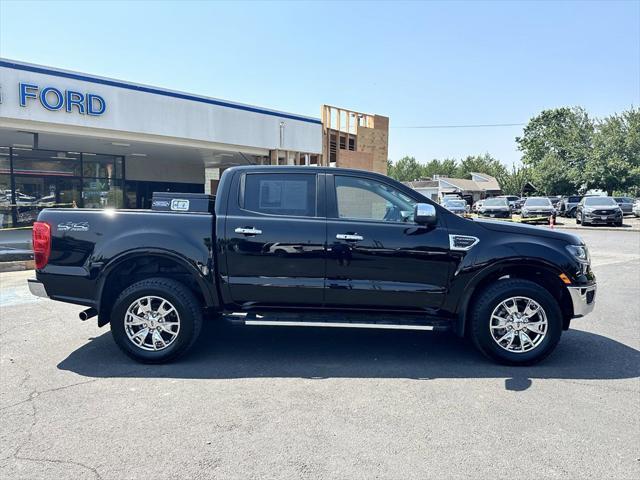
(248, 231)
(349, 237)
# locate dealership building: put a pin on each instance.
(72, 139)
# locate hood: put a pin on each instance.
(506, 227)
(497, 207)
(543, 207)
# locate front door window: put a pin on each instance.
(365, 199)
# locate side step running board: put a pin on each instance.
(339, 320)
(388, 326)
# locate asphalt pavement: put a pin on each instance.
(252, 402)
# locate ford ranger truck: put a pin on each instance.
(311, 247)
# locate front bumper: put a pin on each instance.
(603, 218)
(534, 214)
(37, 288)
(583, 299)
(496, 213)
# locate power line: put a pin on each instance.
(477, 125)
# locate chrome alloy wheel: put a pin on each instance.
(152, 323)
(518, 324)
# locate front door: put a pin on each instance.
(377, 256)
(275, 240)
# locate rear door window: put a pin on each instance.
(290, 194)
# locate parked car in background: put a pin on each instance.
(599, 210)
(555, 199)
(538, 207)
(636, 207)
(518, 205)
(455, 205)
(625, 204)
(567, 206)
(477, 206)
(495, 208)
(511, 200)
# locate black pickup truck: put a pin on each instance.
(306, 246)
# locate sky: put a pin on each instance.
(419, 63)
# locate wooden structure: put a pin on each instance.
(353, 139)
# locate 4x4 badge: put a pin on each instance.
(73, 227)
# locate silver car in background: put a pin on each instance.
(495, 208)
(568, 205)
(625, 204)
(538, 207)
(454, 205)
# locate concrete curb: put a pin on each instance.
(17, 266)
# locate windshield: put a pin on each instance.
(623, 200)
(600, 202)
(455, 203)
(574, 199)
(495, 202)
(537, 202)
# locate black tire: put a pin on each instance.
(577, 219)
(490, 298)
(584, 224)
(186, 304)
(618, 224)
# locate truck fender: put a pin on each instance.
(203, 274)
(492, 270)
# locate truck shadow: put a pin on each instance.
(224, 352)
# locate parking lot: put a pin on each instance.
(253, 402)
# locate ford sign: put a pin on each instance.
(54, 99)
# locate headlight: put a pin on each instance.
(580, 252)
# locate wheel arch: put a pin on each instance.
(135, 265)
(538, 271)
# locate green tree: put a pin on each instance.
(556, 146)
(514, 182)
(615, 161)
(406, 169)
(445, 168)
(481, 164)
(390, 171)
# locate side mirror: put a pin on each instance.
(424, 214)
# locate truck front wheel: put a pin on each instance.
(516, 322)
(156, 320)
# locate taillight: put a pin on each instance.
(41, 243)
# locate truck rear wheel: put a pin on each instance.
(156, 320)
(516, 322)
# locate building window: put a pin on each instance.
(27, 161)
(101, 193)
(31, 180)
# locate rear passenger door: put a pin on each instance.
(275, 239)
